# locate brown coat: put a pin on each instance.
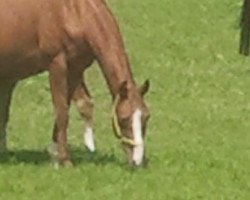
(64, 37)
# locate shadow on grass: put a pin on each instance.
(36, 157)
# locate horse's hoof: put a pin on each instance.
(90, 150)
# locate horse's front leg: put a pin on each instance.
(85, 106)
(6, 89)
(58, 75)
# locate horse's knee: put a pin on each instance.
(61, 118)
(85, 108)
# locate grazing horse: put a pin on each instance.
(245, 28)
(64, 37)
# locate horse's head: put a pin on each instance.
(130, 116)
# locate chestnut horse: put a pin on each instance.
(64, 37)
(245, 28)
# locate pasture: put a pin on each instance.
(198, 137)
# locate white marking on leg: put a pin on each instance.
(80, 103)
(138, 150)
(52, 149)
(89, 139)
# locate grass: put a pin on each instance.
(198, 137)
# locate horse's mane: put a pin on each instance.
(245, 28)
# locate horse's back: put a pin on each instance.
(29, 29)
(33, 32)
(21, 22)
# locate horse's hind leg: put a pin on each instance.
(85, 106)
(6, 89)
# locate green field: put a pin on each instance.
(198, 139)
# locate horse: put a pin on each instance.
(245, 28)
(64, 37)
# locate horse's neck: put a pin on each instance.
(106, 40)
(116, 69)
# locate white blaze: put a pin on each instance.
(138, 150)
(89, 139)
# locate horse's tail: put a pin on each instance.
(245, 28)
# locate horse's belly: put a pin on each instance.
(18, 67)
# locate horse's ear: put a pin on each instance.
(144, 88)
(123, 90)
